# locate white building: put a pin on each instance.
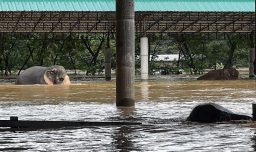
(166, 57)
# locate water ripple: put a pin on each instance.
(162, 107)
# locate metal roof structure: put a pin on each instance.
(185, 16)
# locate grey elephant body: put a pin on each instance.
(210, 112)
(43, 75)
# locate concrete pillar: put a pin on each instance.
(144, 58)
(107, 55)
(251, 63)
(254, 61)
(252, 56)
(125, 46)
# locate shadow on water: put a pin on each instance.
(144, 90)
(254, 141)
(122, 139)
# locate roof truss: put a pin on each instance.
(146, 22)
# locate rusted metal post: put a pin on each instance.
(125, 46)
(254, 112)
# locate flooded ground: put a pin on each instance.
(162, 107)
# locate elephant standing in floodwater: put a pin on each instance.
(221, 74)
(44, 75)
(211, 112)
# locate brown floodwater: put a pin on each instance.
(161, 106)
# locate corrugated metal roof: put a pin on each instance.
(140, 5)
(57, 5)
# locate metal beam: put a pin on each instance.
(178, 20)
(147, 22)
(16, 25)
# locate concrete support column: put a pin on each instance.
(125, 46)
(251, 62)
(252, 56)
(254, 61)
(144, 58)
(107, 55)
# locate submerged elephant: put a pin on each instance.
(44, 75)
(221, 74)
(211, 112)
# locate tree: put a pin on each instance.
(93, 46)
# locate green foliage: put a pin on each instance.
(201, 51)
(86, 51)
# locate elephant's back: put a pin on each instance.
(208, 112)
(32, 75)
